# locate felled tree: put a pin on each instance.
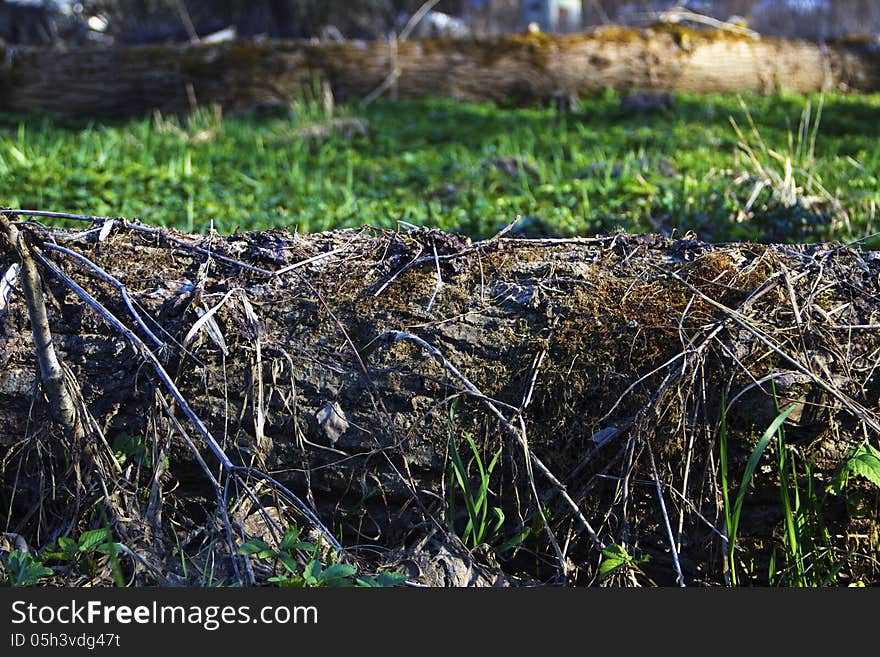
(360, 382)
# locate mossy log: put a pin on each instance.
(515, 68)
(345, 363)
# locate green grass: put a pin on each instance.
(481, 526)
(433, 162)
(802, 553)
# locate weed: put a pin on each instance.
(862, 461)
(292, 551)
(93, 549)
(616, 559)
(201, 125)
(733, 517)
(134, 448)
(21, 569)
(483, 524)
(804, 556)
(787, 174)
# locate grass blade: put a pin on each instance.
(728, 518)
(752, 465)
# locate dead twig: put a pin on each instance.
(672, 546)
(517, 432)
(390, 82)
(140, 348)
(115, 282)
(854, 407)
(439, 282)
(51, 373)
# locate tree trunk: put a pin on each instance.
(518, 68)
(348, 363)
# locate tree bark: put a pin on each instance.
(517, 68)
(595, 367)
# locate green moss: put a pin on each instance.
(680, 34)
(855, 40)
(684, 34)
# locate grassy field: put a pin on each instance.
(729, 168)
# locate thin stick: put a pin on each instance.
(471, 388)
(115, 282)
(854, 407)
(192, 247)
(439, 282)
(518, 433)
(416, 18)
(198, 249)
(308, 261)
(185, 18)
(141, 349)
(219, 491)
(673, 550)
(390, 82)
(51, 373)
(412, 263)
(679, 14)
(53, 215)
(505, 229)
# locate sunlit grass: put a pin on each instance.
(463, 166)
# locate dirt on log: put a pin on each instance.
(515, 68)
(346, 365)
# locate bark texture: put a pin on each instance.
(517, 68)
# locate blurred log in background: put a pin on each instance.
(531, 68)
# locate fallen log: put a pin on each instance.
(515, 68)
(346, 377)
